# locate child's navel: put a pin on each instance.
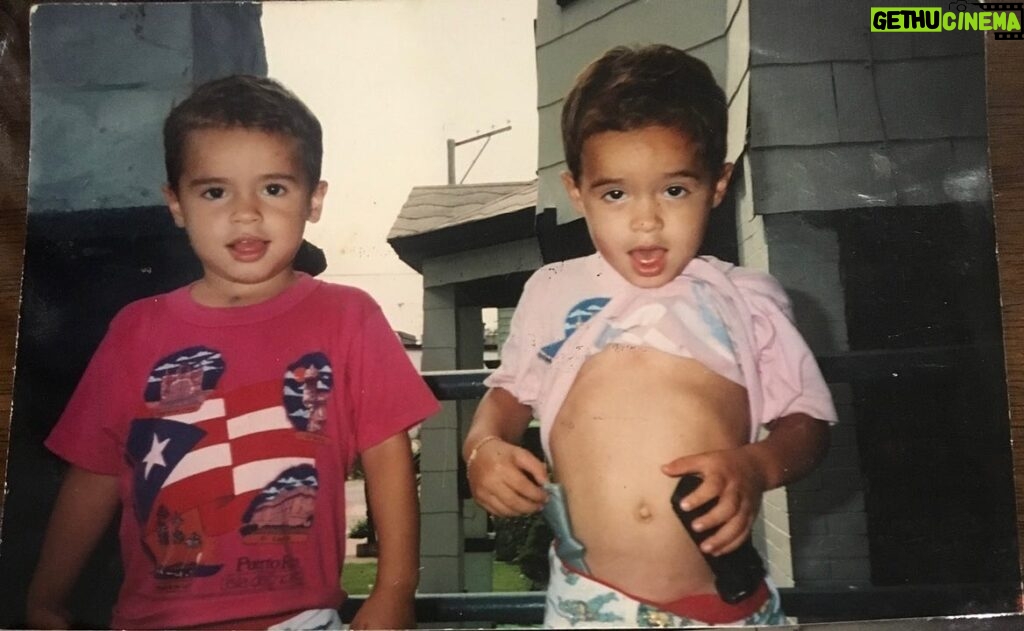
(643, 513)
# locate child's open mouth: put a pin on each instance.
(248, 249)
(648, 261)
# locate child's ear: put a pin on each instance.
(722, 184)
(174, 205)
(574, 192)
(316, 201)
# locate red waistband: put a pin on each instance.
(705, 608)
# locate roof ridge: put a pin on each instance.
(518, 184)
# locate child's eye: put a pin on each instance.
(676, 191)
(276, 190)
(213, 193)
(613, 195)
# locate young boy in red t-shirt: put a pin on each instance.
(223, 417)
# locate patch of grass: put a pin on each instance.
(508, 578)
(358, 577)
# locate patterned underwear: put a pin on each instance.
(307, 620)
(579, 600)
(311, 619)
(576, 598)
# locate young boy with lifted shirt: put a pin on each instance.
(645, 362)
(223, 417)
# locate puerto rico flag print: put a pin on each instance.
(231, 462)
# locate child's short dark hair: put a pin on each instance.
(629, 88)
(248, 102)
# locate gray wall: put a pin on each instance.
(103, 79)
(844, 119)
(453, 339)
(841, 117)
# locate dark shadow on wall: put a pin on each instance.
(935, 451)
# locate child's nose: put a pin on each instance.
(247, 209)
(646, 216)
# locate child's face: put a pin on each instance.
(646, 197)
(244, 200)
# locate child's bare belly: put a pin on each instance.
(629, 411)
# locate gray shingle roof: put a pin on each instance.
(431, 208)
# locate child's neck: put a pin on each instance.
(219, 293)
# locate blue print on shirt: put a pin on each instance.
(711, 317)
(579, 314)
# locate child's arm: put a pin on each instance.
(738, 477)
(85, 506)
(504, 478)
(391, 489)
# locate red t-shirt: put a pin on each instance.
(231, 431)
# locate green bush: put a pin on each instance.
(361, 530)
(509, 536)
(533, 554)
(524, 542)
